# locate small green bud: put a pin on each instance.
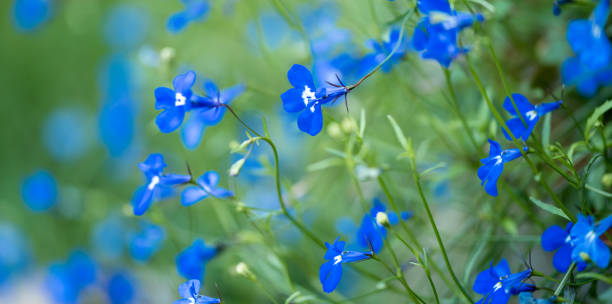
(606, 180)
(243, 270)
(236, 167)
(382, 219)
(334, 131)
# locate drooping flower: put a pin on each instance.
(190, 293)
(588, 246)
(175, 103)
(530, 115)
(588, 39)
(492, 166)
(153, 168)
(371, 233)
(207, 186)
(557, 238)
(194, 127)
(586, 80)
(191, 262)
(30, 14)
(497, 283)
(382, 50)
(304, 97)
(39, 191)
(195, 10)
(435, 36)
(528, 298)
(330, 272)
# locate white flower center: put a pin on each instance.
(307, 96)
(531, 115)
(497, 286)
(337, 259)
(596, 30)
(568, 239)
(179, 99)
(590, 236)
(312, 108)
(498, 159)
(191, 300)
(153, 183)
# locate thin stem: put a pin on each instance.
(565, 278)
(456, 106)
(543, 275)
(400, 277)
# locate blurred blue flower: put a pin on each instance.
(557, 238)
(588, 246)
(330, 272)
(195, 10)
(588, 39)
(28, 15)
(587, 80)
(116, 123)
(66, 280)
(190, 293)
(382, 50)
(435, 36)
(146, 241)
(530, 113)
(329, 69)
(305, 98)
(528, 298)
(370, 233)
(492, 166)
(497, 284)
(67, 133)
(15, 254)
(120, 288)
(191, 262)
(108, 237)
(126, 26)
(39, 191)
(116, 79)
(270, 29)
(207, 186)
(153, 168)
(194, 127)
(557, 6)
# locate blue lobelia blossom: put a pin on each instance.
(435, 36)
(67, 133)
(191, 262)
(39, 191)
(557, 6)
(190, 293)
(15, 254)
(175, 103)
(382, 50)
(30, 14)
(528, 298)
(588, 246)
(529, 113)
(207, 186)
(305, 98)
(588, 39)
(146, 241)
(330, 272)
(587, 80)
(120, 288)
(126, 26)
(372, 234)
(557, 238)
(497, 284)
(194, 127)
(493, 165)
(195, 10)
(66, 280)
(153, 168)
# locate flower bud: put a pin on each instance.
(236, 167)
(167, 54)
(382, 219)
(606, 180)
(243, 270)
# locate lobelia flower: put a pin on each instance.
(557, 238)
(330, 272)
(588, 246)
(528, 298)
(529, 113)
(588, 39)
(371, 233)
(190, 293)
(207, 186)
(382, 50)
(587, 80)
(195, 10)
(305, 98)
(153, 168)
(30, 14)
(120, 288)
(15, 256)
(497, 284)
(192, 131)
(493, 165)
(39, 191)
(435, 36)
(191, 262)
(175, 103)
(146, 241)
(66, 280)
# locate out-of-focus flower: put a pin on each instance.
(67, 133)
(380, 51)
(195, 10)
(191, 262)
(15, 254)
(529, 113)
(120, 288)
(207, 186)
(190, 293)
(28, 15)
(146, 241)
(370, 233)
(126, 26)
(66, 280)
(39, 191)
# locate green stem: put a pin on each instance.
(565, 278)
(400, 277)
(456, 107)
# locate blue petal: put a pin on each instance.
(502, 268)
(211, 89)
(170, 120)
(548, 107)
(142, 199)
(196, 10)
(299, 76)
(173, 179)
(579, 35)
(484, 282)
(177, 22)
(231, 93)
(192, 131)
(428, 6)
(604, 225)
(292, 100)
(522, 103)
(188, 289)
(600, 13)
(553, 238)
(494, 148)
(164, 98)
(39, 191)
(333, 279)
(311, 120)
(209, 179)
(183, 82)
(600, 254)
(153, 165)
(192, 195)
(563, 258)
(517, 128)
(491, 179)
(211, 117)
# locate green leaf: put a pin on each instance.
(265, 127)
(546, 134)
(362, 123)
(398, 133)
(485, 4)
(594, 118)
(549, 208)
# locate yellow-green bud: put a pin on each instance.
(382, 218)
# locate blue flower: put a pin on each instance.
(529, 113)
(120, 288)
(190, 293)
(39, 191)
(587, 80)
(557, 238)
(588, 39)
(191, 262)
(67, 133)
(497, 284)
(207, 186)
(435, 36)
(153, 168)
(493, 165)
(192, 131)
(588, 246)
(15, 254)
(30, 14)
(557, 6)
(330, 272)
(370, 233)
(381, 51)
(527, 298)
(146, 241)
(126, 26)
(305, 98)
(66, 280)
(116, 127)
(195, 10)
